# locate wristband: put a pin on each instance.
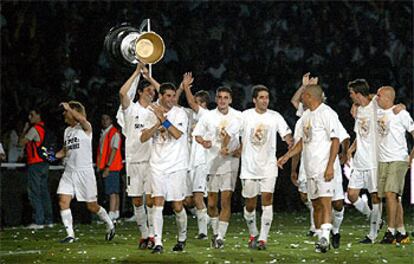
(166, 124)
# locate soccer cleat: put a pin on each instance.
(158, 249)
(201, 236)
(151, 243)
(262, 245)
(310, 233)
(366, 240)
(388, 238)
(317, 247)
(324, 245)
(213, 241)
(110, 234)
(401, 239)
(218, 243)
(143, 243)
(335, 240)
(252, 242)
(179, 246)
(67, 240)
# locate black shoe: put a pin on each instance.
(157, 250)
(401, 239)
(324, 245)
(151, 243)
(143, 243)
(213, 241)
(202, 236)
(110, 234)
(67, 240)
(388, 238)
(310, 233)
(261, 245)
(335, 240)
(219, 243)
(252, 242)
(179, 246)
(366, 240)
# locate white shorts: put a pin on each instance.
(302, 186)
(318, 187)
(80, 184)
(171, 186)
(252, 188)
(138, 179)
(364, 179)
(197, 180)
(221, 182)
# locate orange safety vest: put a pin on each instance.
(31, 146)
(106, 152)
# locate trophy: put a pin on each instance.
(127, 45)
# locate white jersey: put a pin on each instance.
(134, 118)
(365, 128)
(391, 135)
(78, 147)
(259, 143)
(198, 152)
(318, 128)
(211, 127)
(168, 154)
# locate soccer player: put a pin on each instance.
(198, 164)
(364, 164)
(166, 127)
(218, 132)
(393, 162)
(78, 179)
(320, 144)
(131, 117)
(259, 172)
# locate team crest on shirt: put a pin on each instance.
(307, 132)
(383, 126)
(363, 127)
(258, 135)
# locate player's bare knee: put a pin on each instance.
(375, 199)
(338, 205)
(177, 206)
(93, 207)
(137, 201)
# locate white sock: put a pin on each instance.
(337, 217)
(318, 233)
(150, 212)
(362, 206)
(158, 222)
(250, 218)
(392, 230)
(312, 220)
(141, 218)
(111, 215)
(214, 222)
(67, 221)
(202, 219)
(374, 221)
(401, 230)
(326, 230)
(116, 214)
(103, 215)
(266, 222)
(222, 229)
(181, 222)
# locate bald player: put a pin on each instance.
(393, 162)
(319, 140)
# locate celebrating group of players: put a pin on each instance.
(181, 155)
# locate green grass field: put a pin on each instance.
(287, 244)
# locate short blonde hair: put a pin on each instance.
(78, 107)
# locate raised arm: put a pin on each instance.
(305, 81)
(150, 79)
(123, 92)
(187, 83)
(86, 126)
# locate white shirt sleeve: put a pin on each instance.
(115, 141)
(331, 125)
(282, 127)
(181, 121)
(200, 128)
(32, 135)
(407, 121)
